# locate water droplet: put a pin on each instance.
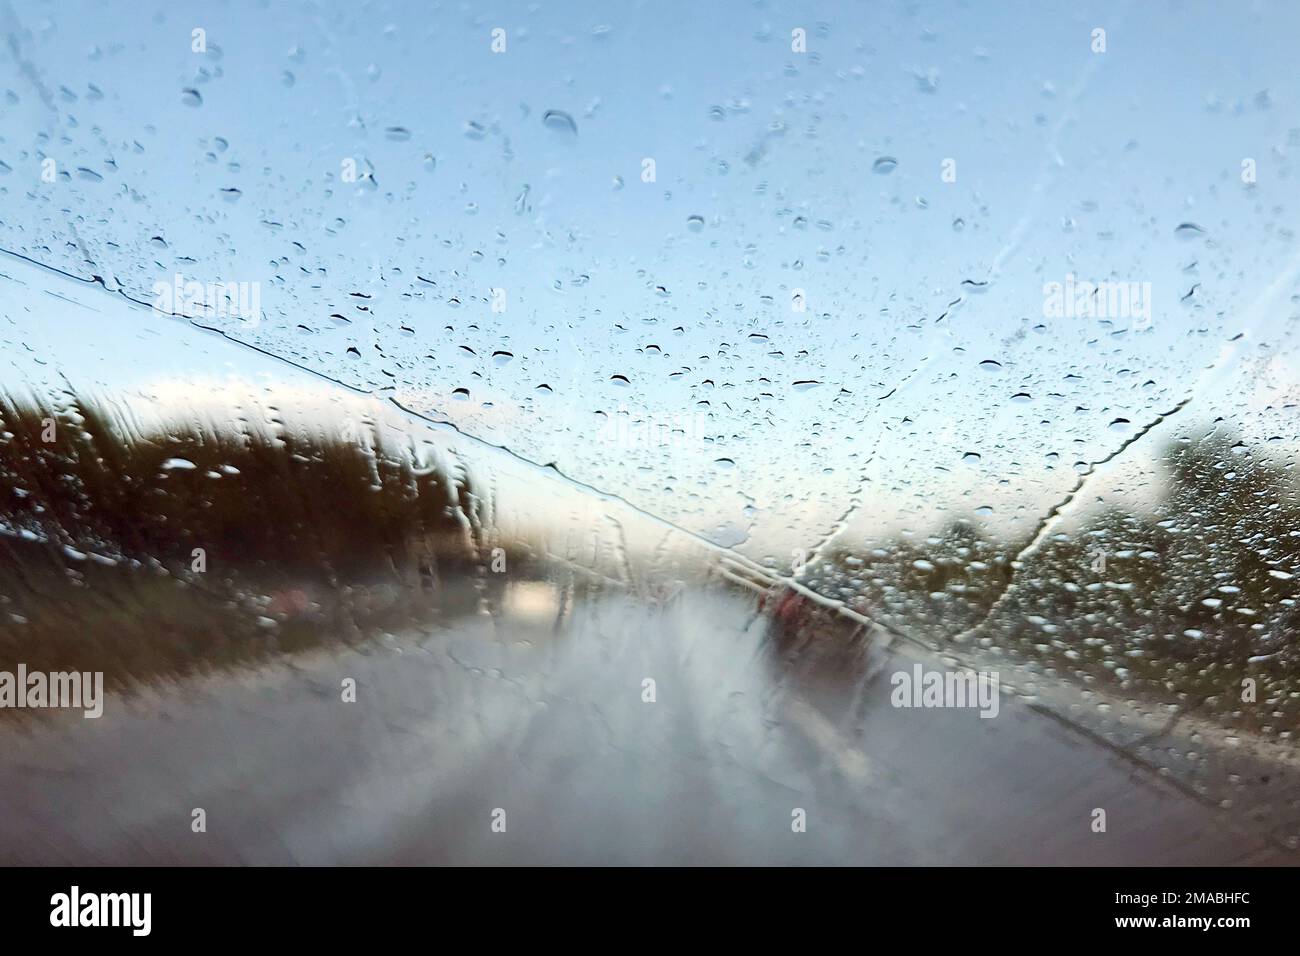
(560, 121)
(927, 81)
(884, 165)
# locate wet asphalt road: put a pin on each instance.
(546, 720)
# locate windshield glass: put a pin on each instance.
(761, 351)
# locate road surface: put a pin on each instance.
(541, 711)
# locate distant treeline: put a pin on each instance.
(293, 499)
(1180, 602)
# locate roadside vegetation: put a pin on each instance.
(170, 550)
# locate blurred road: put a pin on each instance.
(539, 711)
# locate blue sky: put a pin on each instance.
(1067, 161)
